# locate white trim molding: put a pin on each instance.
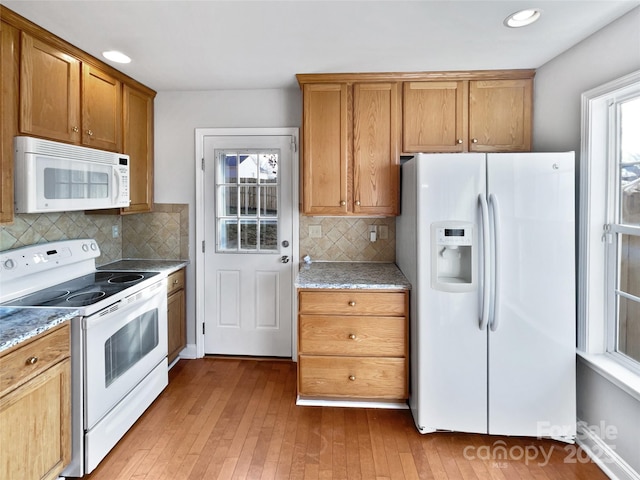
(603, 455)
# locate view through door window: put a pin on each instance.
(247, 201)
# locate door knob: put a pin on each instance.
(284, 259)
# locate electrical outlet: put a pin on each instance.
(315, 231)
(383, 232)
(115, 231)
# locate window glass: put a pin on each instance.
(247, 201)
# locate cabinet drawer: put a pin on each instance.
(352, 303)
(33, 358)
(366, 336)
(353, 377)
(175, 281)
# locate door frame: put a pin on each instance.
(200, 133)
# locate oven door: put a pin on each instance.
(122, 346)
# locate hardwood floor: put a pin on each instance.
(237, 418)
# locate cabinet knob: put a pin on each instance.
(352, 378)
(343, 203)
(32, 360)
(352, 303)
(352, 336)
(459, 140)
(358, 203)
(474, 140)
(175, 282)
(90, 133)
(75, 129)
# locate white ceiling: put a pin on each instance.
(214, 44)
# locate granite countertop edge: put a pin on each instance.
(351, 275)
(166, 267)
(19, 324)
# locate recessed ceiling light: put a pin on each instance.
(116, 56)
(522, 18)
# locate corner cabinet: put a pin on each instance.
(138, 144)
(176, 314)
(35, 406)
(350, 148)
(352, 345)
(53, 90)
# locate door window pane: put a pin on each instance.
(247, 201)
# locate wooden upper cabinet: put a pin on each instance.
(376, 153)
(138, 144)
(434, 116)
(10, 86)
(49, 91)
(325, 149)
(351, 151)
(101, 109)
(491, 115)
(500, 115)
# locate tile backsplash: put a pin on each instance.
(31, 228)
(161, 234)
(347, 239)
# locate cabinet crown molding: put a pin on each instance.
(414, 76)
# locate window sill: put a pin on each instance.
(616, 373)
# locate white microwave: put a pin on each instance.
(57, 177)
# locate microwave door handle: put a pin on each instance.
(116, 185)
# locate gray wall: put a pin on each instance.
(178, 114)
(608, 54)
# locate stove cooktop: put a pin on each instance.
(82, 291)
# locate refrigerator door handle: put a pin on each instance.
(486, 255)
(495, 210)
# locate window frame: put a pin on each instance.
(596, 333)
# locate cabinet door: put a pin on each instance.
(101, 109)
(376, 155)
(36, 426)
(500, 115)
(176, 324)
(434, 116)
(325, 149)
(10, 82)
(138, 144)
(49, 91)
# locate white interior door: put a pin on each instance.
(248, 237)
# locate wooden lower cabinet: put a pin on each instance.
(35, 407)
(352, 344)
(176, 314)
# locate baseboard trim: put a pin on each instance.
(189, 352)
(604, 456)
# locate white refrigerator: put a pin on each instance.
(487, 242)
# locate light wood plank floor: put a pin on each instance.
(237, 418)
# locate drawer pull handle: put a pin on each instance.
(352, 336)
(352, 378)
(175, 282)
(352, 303)
(32, 360)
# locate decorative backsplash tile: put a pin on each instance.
(31, 228)
(347, 239)
(161, 234)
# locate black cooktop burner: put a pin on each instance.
(82, 291)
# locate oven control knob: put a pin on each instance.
(9, 264)
(94, 246)
(85, 247)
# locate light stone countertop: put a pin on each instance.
(352, 275)
(140, 265)
(22, 323)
